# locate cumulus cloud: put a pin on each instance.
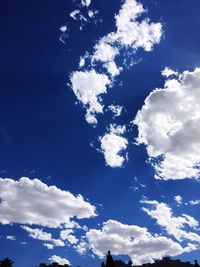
(87, 86)
(59, 260)
(130, 34)
(174, 226)
(32, 202)
(113, 144)
(168, 124)
(39, 234)
(132, 240)
(68, 235)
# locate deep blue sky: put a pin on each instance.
(43, 133)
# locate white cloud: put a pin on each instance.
(32, 202)
(168, 125)
(59, 260)
(194, 202)
(39, 234)
(113, 145)
(63, 28)
(11, 237)
(75, 14)
(174, 226)
(85, 2)
(88, 86)
(132, 240)
(48, 246)
(116, 109)
(67, 235)
(167, 72)
(136, 34)
(178, 199)
(130, 34)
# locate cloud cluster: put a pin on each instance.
(130, 34)
(169, 126)
(132, 240)
(39, 234)
(32, 202)
(174, 226)
(113, 144)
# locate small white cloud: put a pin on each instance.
(48, 246)
(63, 28)
(18, 198)
(74, 14)
(116, 109)
(178, 199)
(68, 235)
(88, 86)
(169, 126)
(85, 2)
(11, 237)
(194, 202)
(59, 260)
(113, 145)
(167, 72)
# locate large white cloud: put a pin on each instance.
(32, 202)
(169, 126)
(175, 226)
(130, 34)
(113, 145)
(132, 240)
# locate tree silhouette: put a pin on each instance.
(6, 263)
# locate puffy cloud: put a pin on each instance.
(131, 240)
(32, 202)
(173, 225)
(87, 86)
(112, 146)
(167, 72)
(59, 260)
(136, 34)
(168, 124)
(130, 34)
(178, 199)
(68, 236)
(48, 246)
(39, 234)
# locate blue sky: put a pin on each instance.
(99, 100)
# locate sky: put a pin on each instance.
(99, 131)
